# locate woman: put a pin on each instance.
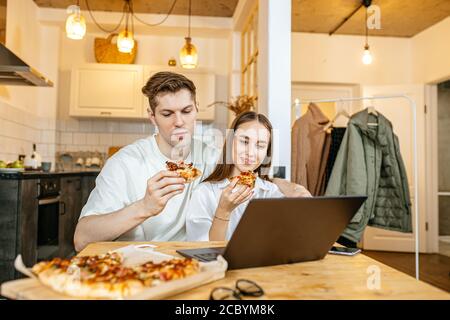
(218, 203)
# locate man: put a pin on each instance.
(135, 197)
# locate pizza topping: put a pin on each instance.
(246, 178)
(185, 170)
(180, 165)
(171, 166)
(108, 269)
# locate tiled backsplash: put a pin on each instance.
(19, 129)
(98, 135)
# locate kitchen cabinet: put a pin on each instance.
(87, 185)
(8, 227)
(8, 219)
(205, 83)
(70, 209)
(28, 221)
(114, 90)
(27, 216)
(75, 192)
(106, 91)
(18, 224)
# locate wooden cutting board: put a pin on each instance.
(33, 289)
(30, 289)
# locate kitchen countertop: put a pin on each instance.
(334, 277)
(42, 174)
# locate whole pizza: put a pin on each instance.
(105, 276)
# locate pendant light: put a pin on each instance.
(188, 54)
(367, 56)
(125, 40)
(75, 23)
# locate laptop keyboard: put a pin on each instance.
(203, 254)
(205, 257)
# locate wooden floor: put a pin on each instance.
(434, 268)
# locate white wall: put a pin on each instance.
(23, 35)
(423, 58)
(38, 46)
(431, 53)
(28, 113)
(337, 59)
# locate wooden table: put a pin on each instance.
(335, 277)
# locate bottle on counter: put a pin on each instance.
(34, 161)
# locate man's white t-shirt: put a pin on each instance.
(123, 181)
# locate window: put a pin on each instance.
(249, 56)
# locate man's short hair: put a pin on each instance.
(166, 82)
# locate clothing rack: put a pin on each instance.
(413, 107)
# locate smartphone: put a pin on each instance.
(344, 251)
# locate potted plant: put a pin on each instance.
(238, 105)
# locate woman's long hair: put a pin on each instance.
(224, 168)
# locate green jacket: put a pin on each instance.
(369, 163)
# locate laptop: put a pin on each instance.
(284, 230)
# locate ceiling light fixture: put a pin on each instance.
(75, 23)
(367, 56)
(125, 40)
(188, 54)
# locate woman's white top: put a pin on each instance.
(204, 202)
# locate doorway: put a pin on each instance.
(443, 123)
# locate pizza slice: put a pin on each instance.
(247, 178)
(186, 170)
(98, 277)
(105, 276)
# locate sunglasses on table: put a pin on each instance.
(242, 288)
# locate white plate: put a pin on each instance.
(11, 170)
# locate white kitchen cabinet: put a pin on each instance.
(205, 83)
(107, 90)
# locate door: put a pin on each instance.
(48, 242)
(401, 116)
(443, 159)
(71, 197)
(10, 211)
(28, 221)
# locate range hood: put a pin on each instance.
(15, 72)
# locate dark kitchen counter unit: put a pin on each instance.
(41, 174)
(38, 215)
